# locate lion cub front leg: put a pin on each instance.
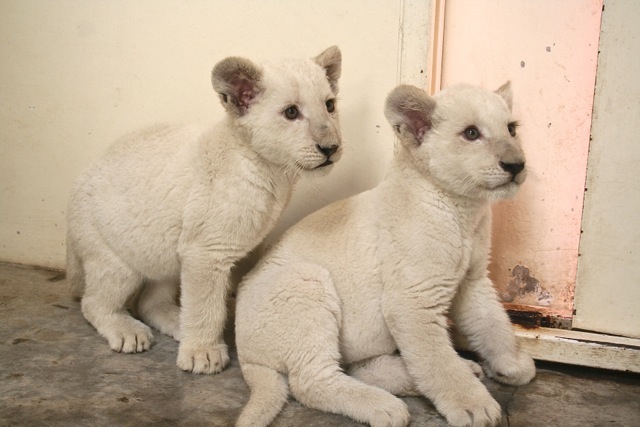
(420, 331)
(480, 317)
(204, 283)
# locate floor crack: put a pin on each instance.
(508, 403)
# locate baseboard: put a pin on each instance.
(581, 348)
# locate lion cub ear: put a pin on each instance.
(505, 92)
(238, 82)
(409, 110)
(331, 61)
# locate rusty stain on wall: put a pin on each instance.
(525, 289)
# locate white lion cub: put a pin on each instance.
(368, 283)
(175, 207)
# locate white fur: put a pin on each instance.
(381, 272)
(175, 204)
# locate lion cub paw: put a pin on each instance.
(203, 359)
(518, 370)
(135, 337)
(471, 408)
(475, 368)
(393, 414)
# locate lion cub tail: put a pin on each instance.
(269, 393)
(75, 271)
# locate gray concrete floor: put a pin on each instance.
(56, 371)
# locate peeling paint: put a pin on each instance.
(523, 288)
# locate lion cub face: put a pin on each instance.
(288, 109)
(464, 138)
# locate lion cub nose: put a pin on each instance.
(513, 168)
(327, 151)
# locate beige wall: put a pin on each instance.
(548, 49)
(76, 74)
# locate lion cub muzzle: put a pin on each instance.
(327, 152)
(328, 143)
(512, 161)
(513, 168)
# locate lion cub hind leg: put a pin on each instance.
(109, 284)
(294, 324)
(388, 372)
(475, 367)
(158, 307)
(322, 385)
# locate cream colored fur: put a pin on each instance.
(177, 206)
(357, 282)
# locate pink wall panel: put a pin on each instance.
(548, 49)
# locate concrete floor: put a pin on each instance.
(56, 371)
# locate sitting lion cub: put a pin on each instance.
(172, 205)
(369, 282)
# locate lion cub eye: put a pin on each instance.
(471, 133)
(331, 105)
(291, 112)
(512, 128)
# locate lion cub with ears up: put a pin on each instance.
(368, 283)
(176, 206)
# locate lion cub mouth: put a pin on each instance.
(326, 163)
